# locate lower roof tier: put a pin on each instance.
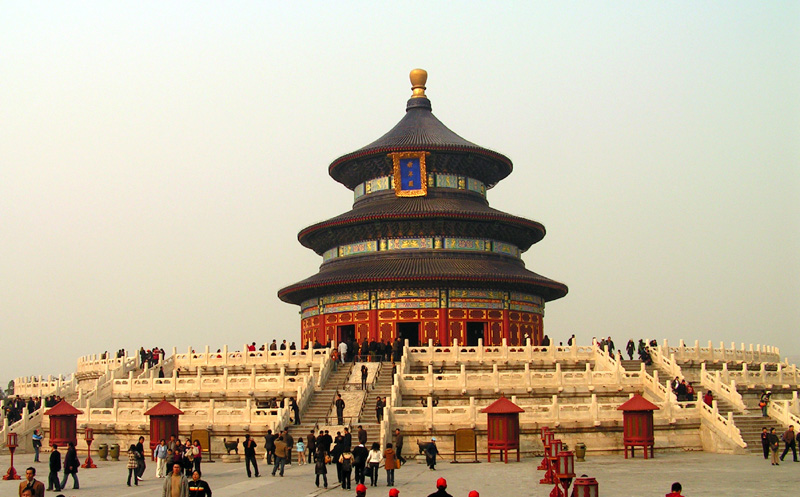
(421, 270)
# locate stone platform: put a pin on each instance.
(701, 474)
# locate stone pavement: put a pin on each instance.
(700, 474)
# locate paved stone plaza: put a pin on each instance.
(701, 475)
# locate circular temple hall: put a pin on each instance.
(421, 255)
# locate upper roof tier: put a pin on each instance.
(419, 129)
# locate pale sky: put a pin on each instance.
(157, 160)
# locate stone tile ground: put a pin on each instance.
(701, 475)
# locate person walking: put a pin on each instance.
(289, 439)
(133, 463)
(280, 456)
(430, 454)
(250, 455)
(71, 465)
(269, 446)
(140, 459)
(390, 465)
(160, 453)
(300, 449)
(198, 487)
(339, 403)
(379, 405)
(789, 441)
(55, 466)
(374, 458)
(346, 460)
(364, 374)
(320, 468)
(176, 484)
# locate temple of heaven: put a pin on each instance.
(421, 255)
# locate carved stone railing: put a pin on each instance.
(224, 384)
(696, 353)
(37, 386)
(23, 428)
(785, 375)
(225, 358)
(497, 354)
(721, 389)
(781, 411)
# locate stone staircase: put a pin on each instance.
(317, 411)
(381, 387)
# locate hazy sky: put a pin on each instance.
(157, 160)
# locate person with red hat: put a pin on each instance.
(361, 490)
(474, 493)
(393, 492)
(441, 489)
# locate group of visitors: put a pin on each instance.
(683, 390)
(770, 443)
(641, 349)
(13, 409)
(150, 357)
(168, 454)
(370, 351)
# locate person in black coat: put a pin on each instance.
(55, 467)
(320, 468)
(269, 446)
(71, 465)
(250, 455)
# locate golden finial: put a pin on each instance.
(418, 78)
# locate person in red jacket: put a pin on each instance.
(676, 490)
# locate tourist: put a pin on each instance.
(197, 455)
(441, 489)
(269, 446)
(708, 398)
(789, 441)
(71, 465)
(289, 440)
(374, 458)
(140, 459)
(689, 391)
(430, 454)
(361, 490)
(176, 480)
(390, 465)
(160, 453)
(379, 409)
(393, 492)
(360, 454)
(774, 442)
(295, 410)
(473, 493)
(250, 455)
(681, 391)
(362, 435)
(345, 468)
(311, 446)
(198, 487)
(398, 446)
(300, 448)
(36, 440)
(676, 490)
(55, 466)
(133, 463)
(280, 456)
(364, 374)
(630, 348)
(342, 352)
(339, 409)
(31, 484)
(273, 345)
(763, 403)
(335, 359)
(765, 442)
(347, 438)
(320, 468)
(336, 455)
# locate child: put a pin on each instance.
(301, 451)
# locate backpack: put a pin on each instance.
(347, 464)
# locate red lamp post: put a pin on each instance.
(585, 487)
(547, 436)
(12, 446)
(89, 436)
(565, 472)
(552, 459)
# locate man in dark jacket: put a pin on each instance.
(269, 446)
(55, 467)
(71, 465)
(362, 435)
(347, 439)
(250, 455)
(289, 446)
(430, 454)
(398, 445)
(360, 454)
(30, 481)
(789, 441)
(339, 409)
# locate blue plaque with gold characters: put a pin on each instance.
(410, 178)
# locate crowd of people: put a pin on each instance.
(369, 351)
(150, 357)
(770, 443)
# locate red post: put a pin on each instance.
(88, 464)
(12, 446)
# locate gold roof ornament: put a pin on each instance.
(418, 78)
